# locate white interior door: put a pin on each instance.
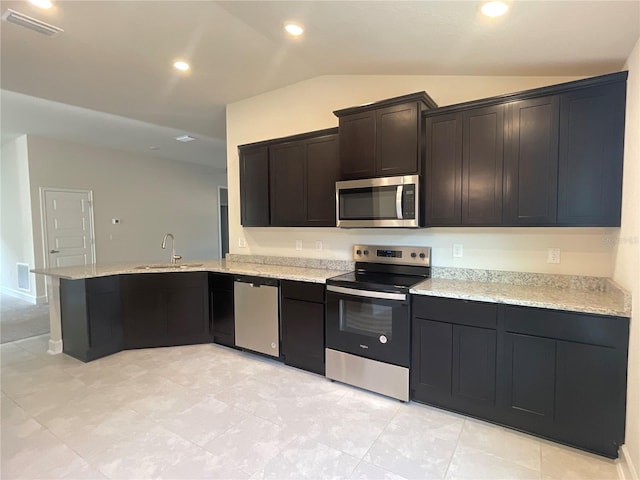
(68, 219)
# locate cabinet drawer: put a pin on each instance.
(461, 312)
(572, 326)
(308, 292)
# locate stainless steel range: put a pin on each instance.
(368, 322)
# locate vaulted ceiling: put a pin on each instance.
(115, 57)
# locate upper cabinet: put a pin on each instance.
(297, 175)
(254, 186)
(382, 138)
(531, 162)
(591, 155)
(544, 157)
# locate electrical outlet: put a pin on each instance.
(242, 243)
(298, 244)
(553, 255)
(318, 245)
(458, 251)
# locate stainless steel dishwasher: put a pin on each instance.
(256, 314)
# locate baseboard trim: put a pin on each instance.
(55, 347)
(626, 469)
(21, 295)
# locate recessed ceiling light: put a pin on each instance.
(41, 3)
(181, 65)
(185, 138)
(154, 148)
(494, 9)
(294, 29)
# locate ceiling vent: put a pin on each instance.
(31, 23)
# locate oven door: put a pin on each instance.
(369, 324)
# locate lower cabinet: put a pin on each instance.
(221, 309)
(302, 325)
(454, 354)
(564, 376)
(560, 375)
(91, 317)
(164, 309)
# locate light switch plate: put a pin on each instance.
(319, 245)
(458, 250)
(242, 243)
(298, 244)
(553, 255)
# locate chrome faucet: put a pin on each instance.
(174, 257)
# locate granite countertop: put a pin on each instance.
(284, 272)
(596, 295)
(611, 300)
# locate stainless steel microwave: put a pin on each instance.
(378, 202)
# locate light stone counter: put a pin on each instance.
(283, 272)
(609, 300)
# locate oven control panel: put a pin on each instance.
(397, 255)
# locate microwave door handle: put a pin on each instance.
(399, 202)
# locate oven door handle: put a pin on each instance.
(367, 293)
(399, 192)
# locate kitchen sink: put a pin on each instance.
(168, 266)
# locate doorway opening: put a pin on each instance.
(223, 221)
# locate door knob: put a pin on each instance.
(54, 251)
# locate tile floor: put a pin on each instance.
(206, 411)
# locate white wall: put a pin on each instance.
(309, 105)
(150, 196)
(627, 262)
(16, 235)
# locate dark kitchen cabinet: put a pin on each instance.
(443, 172)
(464, 164)
(297, 177)
(482, 159)
(529, 378)
(164, 309)
(543, 157)
(303, 174)
(287, 183)
(591, 155)
(383, 138)
(531, 162)
(454, 354)
(221, 309)
(302, 311)
(254, 186)
(563, 376)
(91, 317)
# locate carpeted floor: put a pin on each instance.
(20, 319)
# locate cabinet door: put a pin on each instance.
(187, 308)
(474, 365)
(443, 173)
(144, 310)
(105, 315)
(431, 367)
(591, 155)
(254, 187)
(358, 145)
(223, 324)
(482, 158)
(529, 379)
(303, 334)
(591, 396)
(531, 162)
(287, 177)
(397, 140)
(322, 172)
